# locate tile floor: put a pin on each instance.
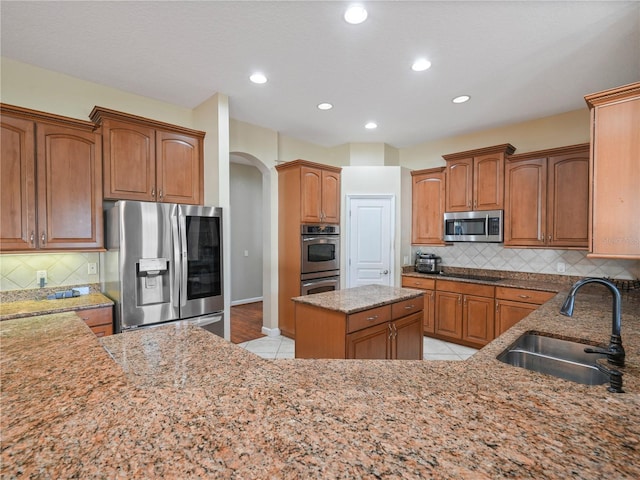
(283, 347)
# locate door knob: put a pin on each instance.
(385, 272)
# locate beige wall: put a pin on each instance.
(556, 131)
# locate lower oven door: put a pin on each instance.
(319, 285)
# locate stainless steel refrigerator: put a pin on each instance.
(164, 264)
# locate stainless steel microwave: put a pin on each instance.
(480, 226)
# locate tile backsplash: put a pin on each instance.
(18, 272)
(493, 256)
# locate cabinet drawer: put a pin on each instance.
(416, 282)
(102, 330)
(466, 288)
(95, 317)
(368, 318)
(522, 295)
(407, 307)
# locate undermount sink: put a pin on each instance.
(552, 356)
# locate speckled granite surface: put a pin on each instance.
(351, 300)
(182, 403)
(28, 308)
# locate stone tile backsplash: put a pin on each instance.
(18, 272)
(493, 256)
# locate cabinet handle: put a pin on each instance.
(549, 237)
(459, 300)
(409, 307)
(475, 203)
(153, 192)
(43, 238)
(32, 237)
(523, 296)
(390, 332)
(433, 294)
(395, 330)
(497, 306)
(160, 194)
(372, 318)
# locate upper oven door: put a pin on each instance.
(320, 253)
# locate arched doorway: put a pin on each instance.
(252, 246)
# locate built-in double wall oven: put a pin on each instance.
(320, 262)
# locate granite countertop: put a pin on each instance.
(29, 308)
(179, 402)
(352, 300)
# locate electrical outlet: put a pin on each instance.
(41, 274)
(561, 267)
(92, 268)
(246, 253)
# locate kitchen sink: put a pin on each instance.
(552, 356)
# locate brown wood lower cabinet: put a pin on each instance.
(429, 287)
(513, 304)
(391, 331)
(100, 320)
(464, 312)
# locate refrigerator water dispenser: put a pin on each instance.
(153, 281)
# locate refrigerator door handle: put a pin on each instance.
(175, 235)
(182, 229)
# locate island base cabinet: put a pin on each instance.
(391, 331)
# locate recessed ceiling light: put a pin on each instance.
(421, 65)
(371, 125)
(355, 14)
(258, 78)
(325, 106)
(461, 99)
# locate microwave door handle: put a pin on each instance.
(177, 264)
(486, 225)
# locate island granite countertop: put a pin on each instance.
(179, 402)
(356, 299)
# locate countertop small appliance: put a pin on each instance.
(427, 263)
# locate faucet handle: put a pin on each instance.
(615, 378)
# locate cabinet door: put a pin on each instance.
(311, 194)
(525, 202)
(478, 320)
(100, 320)
(568, 200)
(69, 165)
(370, 343)
(508, 313)
(330, 212)
(459, 185)
(408, 337)
(129, 161)
(429, 314)
(427, 208)
(17, 177)
(616, 176)
(179, 179)
(488, 182)
(448, 321)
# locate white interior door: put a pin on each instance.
(370, 241)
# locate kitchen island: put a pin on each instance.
(366, 322)
(178, 402)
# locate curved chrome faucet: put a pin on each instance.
(615, 352)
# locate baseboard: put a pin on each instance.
(245, 301)
(271, 332)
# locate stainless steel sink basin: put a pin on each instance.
(552, 356)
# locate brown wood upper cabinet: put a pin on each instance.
(546, 198)
(149, 160)
(427, 206)
(51, 170)
(320, 195)
(615, 173)
(475, 179)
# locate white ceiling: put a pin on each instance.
(518, 60)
